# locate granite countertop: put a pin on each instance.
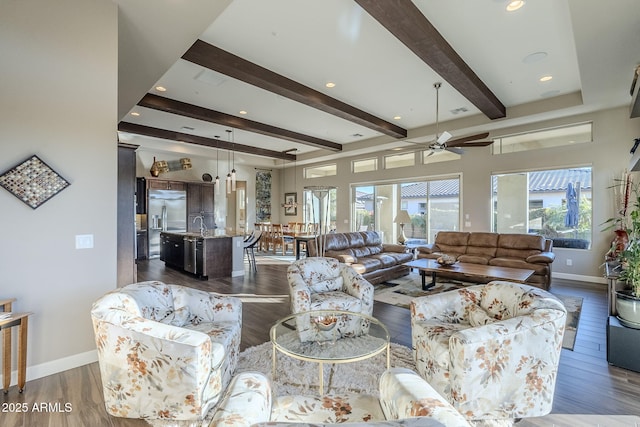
(209, 234)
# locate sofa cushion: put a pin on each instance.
(336, 242)
(453, 243)
(385, 259)
(370, 264)
(371, 238)
(481, 247)
(360, 252)
(519, 263)
(400, 257)
(519, 245)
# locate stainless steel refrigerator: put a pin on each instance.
(167, 211)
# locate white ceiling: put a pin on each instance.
(591, 46)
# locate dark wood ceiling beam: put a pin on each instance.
(200, 113)
(219, 60)
(405, 21)
(201, 140)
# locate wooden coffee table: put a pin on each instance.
(489, 272)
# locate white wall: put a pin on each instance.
(58, 99)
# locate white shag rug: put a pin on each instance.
(300, 377)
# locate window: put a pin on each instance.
(366, 165)
(552, 203)
(319, 207)
(399, 160)
(575, 134)
(320, 171)
(433, 205)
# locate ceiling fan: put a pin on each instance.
(444, 142)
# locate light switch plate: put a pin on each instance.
(84, 241)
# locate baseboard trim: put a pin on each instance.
(55, 366)
(580, 278)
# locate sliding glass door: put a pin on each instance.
(432, 206)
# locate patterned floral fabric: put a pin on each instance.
(165, 351)
(505, 366)
(406, 400)
(326, 284)
(247, 400)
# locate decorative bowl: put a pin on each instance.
(325, 323)
(446, 260)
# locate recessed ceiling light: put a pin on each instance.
(397, 117)
(161, 88)
(330, 84)
(242, 112)
(135, 113)
(534, 57)
(514, 5)
(545, 78)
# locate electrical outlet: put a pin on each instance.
(569, 262)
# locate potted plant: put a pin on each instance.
(628, 300)
(622, 193)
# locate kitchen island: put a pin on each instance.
(208, 255)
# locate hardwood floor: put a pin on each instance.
(586, 383)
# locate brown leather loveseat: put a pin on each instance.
(365, 252)
(505, 250)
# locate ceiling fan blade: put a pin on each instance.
(472, 144)
(468, 138)
(455, 150)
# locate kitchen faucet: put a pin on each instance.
(203, 228)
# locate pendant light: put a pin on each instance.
(233, 168)
(291, 204)
(217, 182)
(228, 179)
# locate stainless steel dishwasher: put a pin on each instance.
(194, 260)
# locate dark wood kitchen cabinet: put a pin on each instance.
(160, 184)
(200, 201)
(172, 250)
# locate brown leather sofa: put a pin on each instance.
(505, 250)
(365, 252)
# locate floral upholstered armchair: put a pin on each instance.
(318, 283)
(492, 350)
(165, 351)
(404, 399)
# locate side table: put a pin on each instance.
(21, 320)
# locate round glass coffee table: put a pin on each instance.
(329, 336)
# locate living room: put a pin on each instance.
(60, 95)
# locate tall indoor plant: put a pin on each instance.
(628, 300)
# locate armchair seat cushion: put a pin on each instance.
(327, 409)
(222, 335)
(335, 301)
(433, 344)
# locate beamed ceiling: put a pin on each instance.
(272, 59)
